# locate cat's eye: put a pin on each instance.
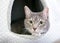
(30, 21)
(41, 22)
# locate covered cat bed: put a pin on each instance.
(6, 36)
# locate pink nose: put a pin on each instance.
(34, 29)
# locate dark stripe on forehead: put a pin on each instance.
(36, 14)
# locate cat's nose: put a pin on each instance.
(34, 29)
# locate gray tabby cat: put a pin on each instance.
(36, 23)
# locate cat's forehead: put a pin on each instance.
(36, 15)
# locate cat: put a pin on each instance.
(37, 23)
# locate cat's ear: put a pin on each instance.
(45, 12)
(27, 12)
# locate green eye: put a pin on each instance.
(41, 22)
(30, 21)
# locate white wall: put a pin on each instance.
(52, 35)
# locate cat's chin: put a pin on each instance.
(36, 34)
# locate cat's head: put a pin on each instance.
(36, 23)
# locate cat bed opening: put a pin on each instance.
(18, 14)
